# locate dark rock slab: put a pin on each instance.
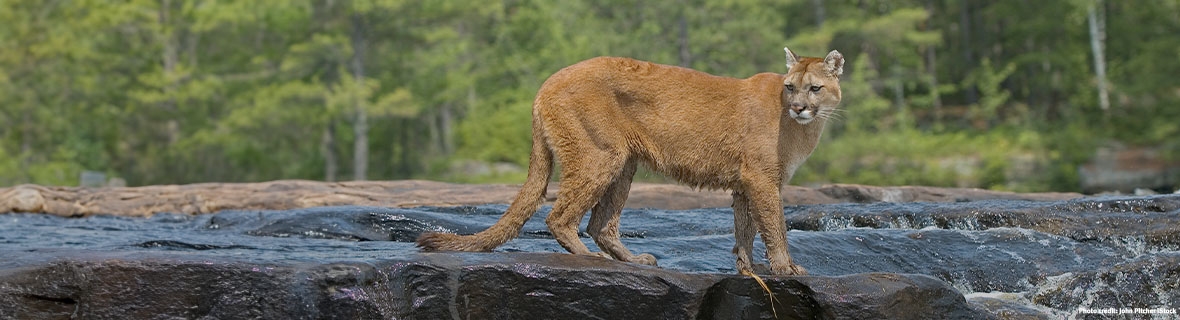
(72, 284)
(112, 286)
(857, 296)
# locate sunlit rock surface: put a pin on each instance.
(204, 198)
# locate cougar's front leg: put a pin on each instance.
(767, 211)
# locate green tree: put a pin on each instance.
(181, 91)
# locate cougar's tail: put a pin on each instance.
(530, 197)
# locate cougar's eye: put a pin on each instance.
(816, 88)
(790, 87)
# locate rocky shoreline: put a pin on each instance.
(283, 251)
(294, 194)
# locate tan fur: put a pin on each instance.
(604, 116)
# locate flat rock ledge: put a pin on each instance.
(116, 285)
(293, 194)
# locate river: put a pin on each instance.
(1047, 258)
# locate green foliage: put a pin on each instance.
(911, 157)
(989, 82)
(935, 92)
(503, 134)
(865, 110)
(10, 172)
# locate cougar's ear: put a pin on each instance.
(792, 59)
(834, 63)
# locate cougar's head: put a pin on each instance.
(811, 88)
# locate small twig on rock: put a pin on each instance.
(764, 288)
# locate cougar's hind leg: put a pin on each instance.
(584, 179)
(604, 219)
(744, 232)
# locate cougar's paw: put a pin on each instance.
(743, 264)
(752, 268)
(761, 268)
(645, 258)
(789, 269)
(603, 255)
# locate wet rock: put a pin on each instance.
(128, 287)
(70, 284)
(1008, 260)
(1147, 282)
(1011, 306)
(858, 296)
(870, 194)
(332, 223)
(558, 286)
(1107, 219)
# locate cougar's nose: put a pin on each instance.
(798, 108)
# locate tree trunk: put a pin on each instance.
(968, 57)
(170, 50)
(899, 93)
(932, 69)
(685, 54)
(328, 150)
(171, 58)
(26, 138)
(445, 124)
(406, 168)
(193, 40)
(360, 156)
(819, 12)
(360, 152)
(1097, 20)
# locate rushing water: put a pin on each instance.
(1044, 256)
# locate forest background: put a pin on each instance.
(1012, 95)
